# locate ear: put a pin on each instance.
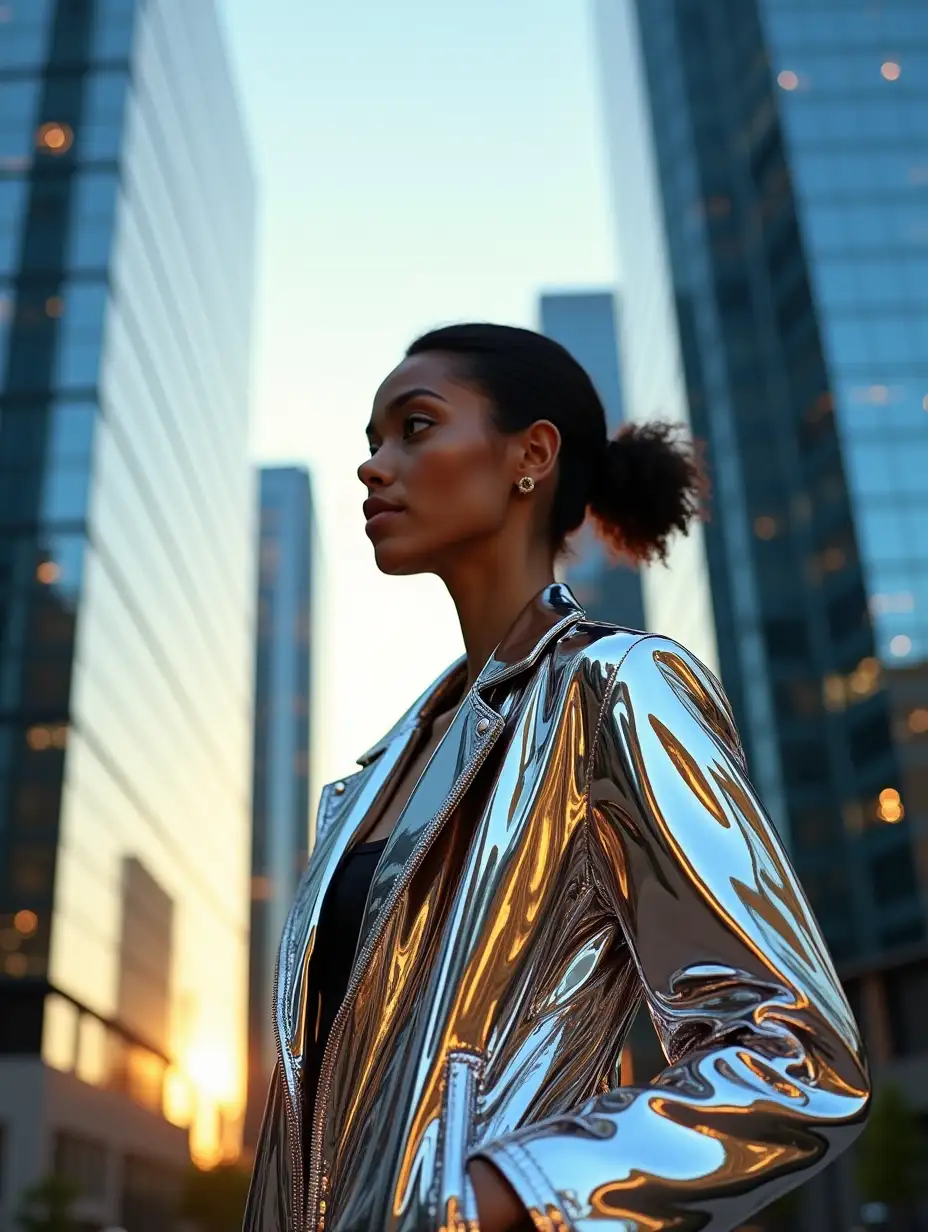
(539, 447)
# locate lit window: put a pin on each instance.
(900, 645)
(787, 80)
(890, 807)
(55, 138)
(25, 923)
(918, 721)
(39, 738)
(765, 527)
(891, 70)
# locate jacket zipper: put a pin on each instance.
(338, 1026)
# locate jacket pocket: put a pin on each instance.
(457, 1207)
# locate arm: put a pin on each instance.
(767, 1080)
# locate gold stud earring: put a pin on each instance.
(526, 485)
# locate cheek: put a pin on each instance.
(462, 484)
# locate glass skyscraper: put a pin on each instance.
(126, 600)
(584, 322)
(770, 161)
(280, 833)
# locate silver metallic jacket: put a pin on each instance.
(584, 836)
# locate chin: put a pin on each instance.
(394, 560)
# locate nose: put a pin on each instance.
(373, 472)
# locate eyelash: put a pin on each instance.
(424, 419)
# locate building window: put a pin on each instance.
(83, 1161)
(906, 998)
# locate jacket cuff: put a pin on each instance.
(536, 1193)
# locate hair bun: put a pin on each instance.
(649, 484)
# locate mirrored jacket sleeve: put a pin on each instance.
(767, 1079)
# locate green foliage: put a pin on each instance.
(47, 1206)
(215, 1200)
(891, 1153)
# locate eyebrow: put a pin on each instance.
(397, 403)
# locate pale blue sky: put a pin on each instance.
(419, 162)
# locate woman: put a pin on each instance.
(561, 827)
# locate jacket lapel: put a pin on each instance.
(465, 746)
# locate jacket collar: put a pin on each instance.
(540, 621)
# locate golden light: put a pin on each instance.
(26, 923)
(16, 965)
(39, 738)
(54, 306)
(833, 690)
(918, 720)
(891, 70)
(48, 572)
(178, 1098)
(890, 807)
(59, 735)
(787, 80)
(55, 138)
(765, 527)
(900, 645)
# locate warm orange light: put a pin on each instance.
(787, 80)
(59, 735)
(765, 527)
(833, 690)
(890, 807)
(891, 70)
(54, 306)
(26, 923)
(918, 720)
(48, 572)
(55, 138)
(833, 560)
(16, 965)
(39, 738)
(900, 645)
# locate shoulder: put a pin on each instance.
(650, 671)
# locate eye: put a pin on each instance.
(413, 425)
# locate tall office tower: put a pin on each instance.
(585, 323)
(280, 833)
(126, 600)
(770, 161)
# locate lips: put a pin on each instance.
(375, 505)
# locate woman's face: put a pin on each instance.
(440, 479)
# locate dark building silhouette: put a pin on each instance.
(126, 518)
(280, 832)
(584, 322)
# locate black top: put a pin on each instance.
(333, 957)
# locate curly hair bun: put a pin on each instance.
(650, 484)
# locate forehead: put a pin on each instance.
(430, 371)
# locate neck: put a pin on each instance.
(489, 597)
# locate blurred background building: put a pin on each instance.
(126, 601)
(280, 833)
(584, 322)
(770, 166)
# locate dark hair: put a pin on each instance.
(640, 487)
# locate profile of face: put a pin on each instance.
(441, 478)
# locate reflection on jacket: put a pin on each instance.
(585, 836)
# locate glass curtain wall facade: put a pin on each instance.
(280, 831)
(126, 565)
(769, 159)
(584, 322)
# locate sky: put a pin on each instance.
(418, 163)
